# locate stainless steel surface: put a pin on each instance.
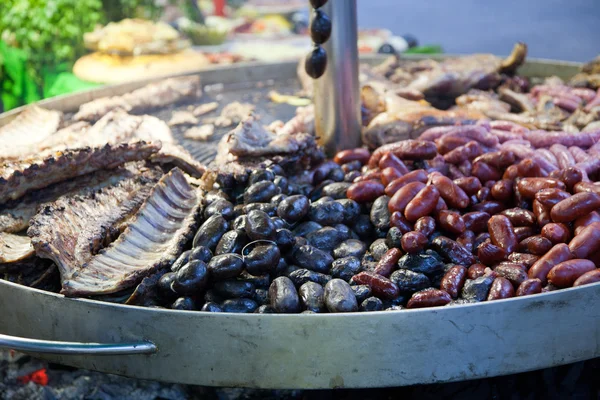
(337, 103)
(74, 348)
(313, 351)
(319, 351)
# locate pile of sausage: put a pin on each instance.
(512, 212)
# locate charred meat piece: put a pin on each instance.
(15, 214)
(153, 239)
(154, 95)
(250, 144)
(456, 76)
(14, 248)
(71, 230)
(34, 272)
(17, 178)
(30, 127)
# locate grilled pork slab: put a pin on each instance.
(153, 239)
(17, 178)
(154, 95)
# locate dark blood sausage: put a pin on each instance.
(528, 287)
(422, 204)
(556, 233)
(576, 206)
(559, 253)
(567, 272)
(381, 286)
(389, 160)
(453, 280)
(469, 184)
(406, 149)
(365, 191)
(587, 241)
(452, 194)
(476, 221)
(358, 154)
(413, 242)
(501, 289)
(429, 298)
(549, 197)
(501, 233)
(588, 277)
(528, 187)
(418, 175)
(476, 271)
(402, 197)
(388, 262)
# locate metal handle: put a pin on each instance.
(74, 348)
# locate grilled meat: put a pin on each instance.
(17, 178)
(250, 145)
(33, 272)
(15, 214)
(153, 239)
(14, 247)
(30, 127)
(74, 228)
(154, 95)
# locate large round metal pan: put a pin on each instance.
(303, 351)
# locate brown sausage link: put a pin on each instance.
(537, 245)
(529, 168)
(519, 216)
(484, 172)
(582, 222)
(476, 221)
(527, 260)
(358, 154)
(452, 194)
(467, 239)
(529, 287)
(497, 159)
(454, 172)
(446, 144)
(549, 197)
(425, 225)
(475, 271)
(587, 242)
(389, 174)
(566, 273)
(541, 213)
(515, 273)
(422, 204)
(388, 261)
(453, 280)
(451, 221)
(390, 160)
(586, 187)
(523, 232)
(490, 207)
(467, 152)
(511, 173)
(588, 277)
(501, 289)
(502, 234)
(490, 254)
(381, 286)
(502, 190)
(559, 253)
(405, 150)
(403, 196)
(418, 175)
(413, 242)
(528, 187)
(484, 194)
(469, 184)
(556, 233)
(429, 298)
(372, 175)
(465, 167)
(398, 220)
(365, 192)
(570, 176)
(576, 206)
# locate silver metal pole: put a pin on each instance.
(336, 97)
